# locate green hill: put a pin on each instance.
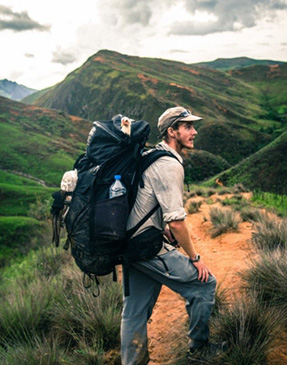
(271, 81)
(39, 142)
(109, 83)
(36, 146)
(265, 170)
(229, 140)
(224, 64)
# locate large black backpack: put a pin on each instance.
(96, 224)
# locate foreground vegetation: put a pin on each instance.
(253, 320)
(47, 317)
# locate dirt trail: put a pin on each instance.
(225, 255)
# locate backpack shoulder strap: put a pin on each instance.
(151, 157)
(147, 160)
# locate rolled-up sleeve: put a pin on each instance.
(166, 177)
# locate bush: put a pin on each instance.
(223, 220)
(250, 214)
(40, 209)
(224, 191)
(221, 299)
(36, 351)
(267, 278)
(239, 188)
(211, 192)
(193, 206)
(270, 232)
(43, 303)
(252, 332)
(83, 318)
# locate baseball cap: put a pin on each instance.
(173, 115)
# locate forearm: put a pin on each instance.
(180, 232)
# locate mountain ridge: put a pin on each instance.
(14, 91)
(109, 83)
(225, 64)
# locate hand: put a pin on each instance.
(203, 270)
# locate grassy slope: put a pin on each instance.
(271, 82)
(39, 142)
(265, 170)
(36, 147)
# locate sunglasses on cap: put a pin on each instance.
(183, 114)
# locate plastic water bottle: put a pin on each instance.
(117, 188)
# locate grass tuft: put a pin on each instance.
(194, 206)
(252, 332)
(270, 232)
(223, 220)
(267, 278)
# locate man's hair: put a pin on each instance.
(165, 137)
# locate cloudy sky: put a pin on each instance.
(43, 40)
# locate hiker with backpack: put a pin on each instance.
(119, 205)
(187, 275)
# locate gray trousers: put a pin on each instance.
(146, 278)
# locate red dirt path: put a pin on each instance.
(225, 255)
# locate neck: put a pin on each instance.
(173, 143)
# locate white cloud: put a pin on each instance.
(184, 30)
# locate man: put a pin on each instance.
(186, 275)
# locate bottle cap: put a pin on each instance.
(117, 177)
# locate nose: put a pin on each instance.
(193, 131)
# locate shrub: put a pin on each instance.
(224, 191)
(211, 192)
(239, 188)
(221, 299)
(82, 317)
(270, 232)
(26, 312)
(236, 201)
(267, 278)
(223, 220)
(36, 351)
(40, 210)
(193, 206)
(252, 332)
(42, 305)
(250, 214)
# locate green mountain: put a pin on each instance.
(109, 83)
(38, 142)
(12, 90)
(224, 64)
(265, 170)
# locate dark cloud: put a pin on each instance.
(18, 22)
(63, 57)
(230, 15)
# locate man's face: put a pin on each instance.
(185, 135)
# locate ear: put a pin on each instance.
(171, 132)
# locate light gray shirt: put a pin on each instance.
(163, 184)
